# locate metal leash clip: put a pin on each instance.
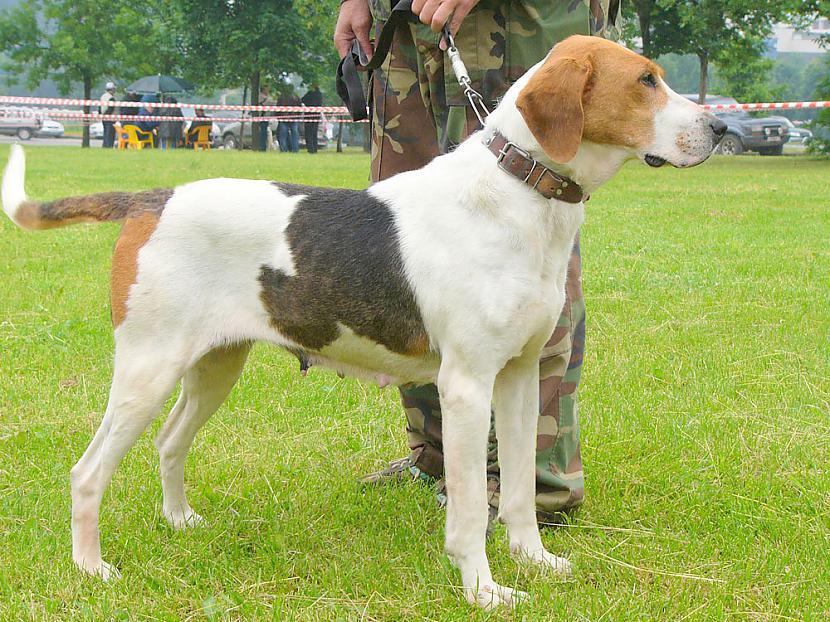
(460, 71)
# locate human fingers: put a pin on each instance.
(353, 22)
(427, 11)
(462, 9)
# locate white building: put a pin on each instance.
(786, 39)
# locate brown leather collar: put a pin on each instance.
(517, 162)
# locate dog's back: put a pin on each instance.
(228, 260)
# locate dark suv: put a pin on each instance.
(766, 135)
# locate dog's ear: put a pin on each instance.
(551, 104)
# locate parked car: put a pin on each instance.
(21, 122)
(766, 135)
(230, 134)
(96, 130)
(50, 129)
(798, 134)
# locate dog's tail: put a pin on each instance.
(14, 194)
(101, 207)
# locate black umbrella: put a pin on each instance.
(160, 84)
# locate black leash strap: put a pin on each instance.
(349, 87)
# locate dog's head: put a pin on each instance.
(590, 89)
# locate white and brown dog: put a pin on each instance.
(454, 274)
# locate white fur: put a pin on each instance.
(682, 135)
(486, 257)
(13, 192)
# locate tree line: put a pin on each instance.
(215, 44)
(247, 43)
(731, 34)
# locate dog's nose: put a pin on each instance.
(718, 127)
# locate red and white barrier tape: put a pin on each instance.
(57, 101)
(335, 113)
(60, 114)
(769, 106)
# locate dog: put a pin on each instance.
(453, 273)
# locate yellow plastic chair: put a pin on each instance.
(200, 137)
(120, 136)
(132, 137)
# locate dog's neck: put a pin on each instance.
(593, 165)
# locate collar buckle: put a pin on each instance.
(502, 154)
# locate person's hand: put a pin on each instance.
(353, 22)
(435, 13)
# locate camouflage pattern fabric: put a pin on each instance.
(419, 111)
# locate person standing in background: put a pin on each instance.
(170, 132)
(420, 112)
(288, 132)
(313, 98)
(264, 133)
(109, 108)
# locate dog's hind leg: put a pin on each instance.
(516, 403)
(143, 378)
(204, 387)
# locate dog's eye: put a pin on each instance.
(649, 80)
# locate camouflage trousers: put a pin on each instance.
(418, 113)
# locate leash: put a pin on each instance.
(348, 83)
(460, 71)
(510, 157)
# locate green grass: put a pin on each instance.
(704, 405)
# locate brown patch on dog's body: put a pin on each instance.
(134, 235)
(590, 88)
(418, 345)
(93, 208)
(140, 210)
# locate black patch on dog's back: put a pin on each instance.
(349, 270)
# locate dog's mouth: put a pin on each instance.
(654, 161)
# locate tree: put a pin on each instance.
(82, 41)
(747, 78)
(821, 126)
(726, 32)
(229, 43)
(644, 10)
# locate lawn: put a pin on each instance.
(705, 408)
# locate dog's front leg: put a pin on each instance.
(466, 395)
(516, 403)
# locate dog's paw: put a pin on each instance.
(103, 570)
(108, 572)
(183, 518)
(492, 595)
(548, 562)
